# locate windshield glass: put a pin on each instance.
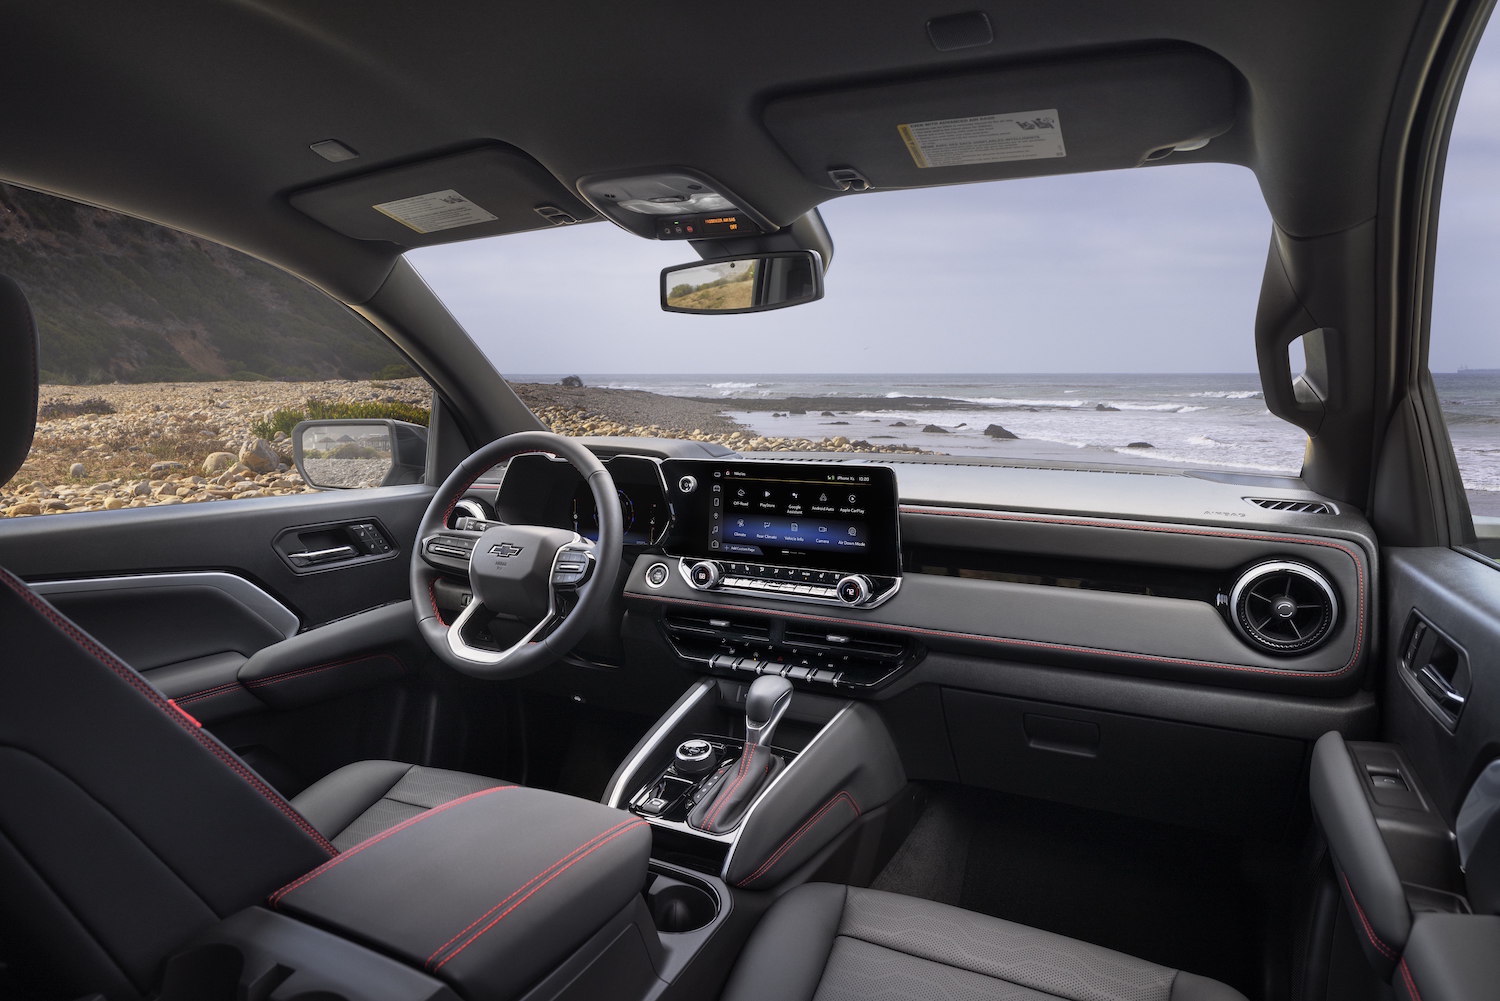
(1090, 317)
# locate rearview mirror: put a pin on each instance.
(352, 454)
(743, 284)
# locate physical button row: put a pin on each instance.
(781, 586)
(792, 574)
(793, 672)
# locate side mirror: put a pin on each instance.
(743, 284)
(348, 455)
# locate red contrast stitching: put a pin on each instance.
(142, 686)
(276, 898)
(587, 845)
(1359, 567)
(432, 596)
(1380, 946)
(629, 826)
(1411, 985)
(786, 845)
(209, 693)
(741, 775)
(303, 672)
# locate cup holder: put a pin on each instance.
(680, 907)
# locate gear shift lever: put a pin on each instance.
(730, 794)
(765, 704)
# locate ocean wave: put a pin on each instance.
(1001, 401)
(1204, 441)
(1161, 408)
(1228, 394)
(734, 385)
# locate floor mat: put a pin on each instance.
(1169, 895)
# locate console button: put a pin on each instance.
(656, 574)
(704, 575)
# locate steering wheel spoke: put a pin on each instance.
(449, 549)
(574, 564)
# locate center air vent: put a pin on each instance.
(1293, 506)
(1283, 608)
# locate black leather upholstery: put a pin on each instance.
(730, 794)
(128, 829)
(1367, 876)
(488, 892)
(18, 378)
(360, 800)
(844, 943)
(151, 829)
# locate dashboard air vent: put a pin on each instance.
(1293, 506)
(1283, 608)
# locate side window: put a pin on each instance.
(1464, 356)
(173, 369)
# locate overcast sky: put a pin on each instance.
(1152, 270)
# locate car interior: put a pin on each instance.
(1017, 730)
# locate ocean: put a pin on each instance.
(1206, 420)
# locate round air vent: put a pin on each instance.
(1283, 608)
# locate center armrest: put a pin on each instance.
(489, 892)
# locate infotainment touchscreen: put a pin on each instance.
(831, 516)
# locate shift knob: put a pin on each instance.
(765, 703)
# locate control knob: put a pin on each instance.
(694, 757)
(855, 589)
(705, 576)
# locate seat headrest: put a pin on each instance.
(18, 378)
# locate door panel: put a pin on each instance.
(299, 668)
(1459, 597)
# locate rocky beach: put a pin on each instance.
(130, 445)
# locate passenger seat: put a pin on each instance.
(843, 942)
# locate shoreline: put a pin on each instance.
(150, 443)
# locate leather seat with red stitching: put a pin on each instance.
(126, 827)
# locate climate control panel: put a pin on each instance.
(792, 583)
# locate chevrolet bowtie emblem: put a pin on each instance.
(505, 550)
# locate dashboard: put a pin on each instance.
(1106, 637)
(848, 574)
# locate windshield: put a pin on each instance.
(1090, 317)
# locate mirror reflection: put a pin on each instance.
(743, 284)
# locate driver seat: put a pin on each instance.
(126, 829)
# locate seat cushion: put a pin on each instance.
(837, 942)
(363, 799)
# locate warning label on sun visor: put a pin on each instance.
(434, 212)
(953, 142)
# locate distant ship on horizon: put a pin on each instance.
(1478, 371)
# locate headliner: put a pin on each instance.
(198, 113)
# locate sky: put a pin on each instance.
(1147, 270)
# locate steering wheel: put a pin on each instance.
(524, 572)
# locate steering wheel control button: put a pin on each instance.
(687, 484)
(694, 757)
(854, 590)
(705, 576)
(656, 575)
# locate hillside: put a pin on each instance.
(119, 300)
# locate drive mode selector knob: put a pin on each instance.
(855, 589)
(705, 576)
(694, 757)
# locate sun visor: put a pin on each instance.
(1096, 112)
(463, 196)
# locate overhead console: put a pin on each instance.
(673, 204)
(805, 532)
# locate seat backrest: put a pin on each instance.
(125, 828)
